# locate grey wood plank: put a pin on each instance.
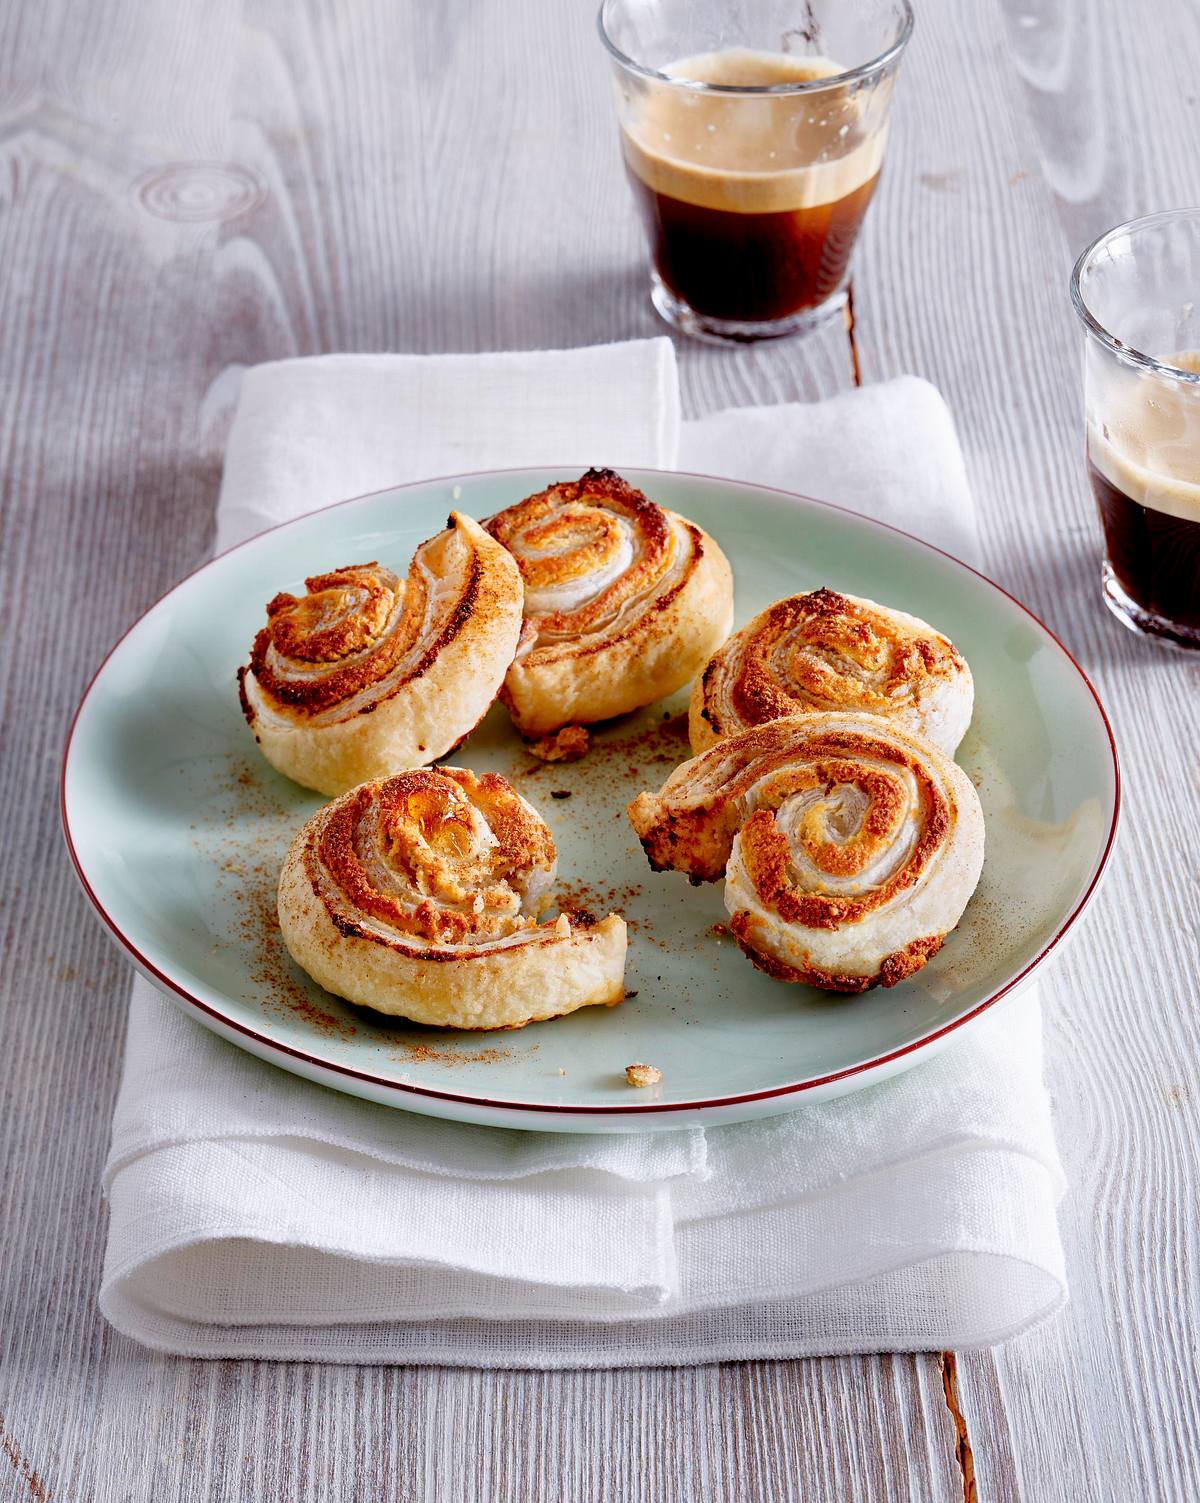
(1039, 124)
(351, 200)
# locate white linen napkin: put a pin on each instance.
(309, 432)
(255, 1214)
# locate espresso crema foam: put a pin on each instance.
(759, 155)
(1148, 446)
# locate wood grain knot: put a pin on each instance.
(199, 192)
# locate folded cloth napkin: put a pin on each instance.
(309, 432)
(255, 1214)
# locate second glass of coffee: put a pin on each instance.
(1137, 293)
(753, 141)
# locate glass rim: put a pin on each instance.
(1127, 352)
(807, 86)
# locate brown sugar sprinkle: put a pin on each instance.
(581, 897)
(720, 930)
(624, 753)
(427, 1054)
(247, 844)
(259, 927)
(659, 744)
(245, 831)
(663, 741)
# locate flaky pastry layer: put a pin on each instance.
(824, 651)
(367, 673)
(624, 602)
(849, 845)
(419, 895)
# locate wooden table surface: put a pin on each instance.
(189, 187)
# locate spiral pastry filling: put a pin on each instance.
(830, 842)
(849, 846)
(827, 651)
(367, 673)
(434, 858)
(361, 632)
(594, 554)
(421, 895)
(624, 600)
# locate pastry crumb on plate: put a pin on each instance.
(567, 745)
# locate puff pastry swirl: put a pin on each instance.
(420, 894)
(850, 845)
(826, 651)
(624, 602)
(368, 673)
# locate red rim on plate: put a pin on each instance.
(797, 1088)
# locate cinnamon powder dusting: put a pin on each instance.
(259, 927)
(624, 756)
(244, 825)
(246, 835)
(429, 1054)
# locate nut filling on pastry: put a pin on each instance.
(624, 601)
(331, 651)
(368, 673)
(850, 846)
(826, 651)
(421, 895)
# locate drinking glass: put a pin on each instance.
(1137, 293)
(753, 134)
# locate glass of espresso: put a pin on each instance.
(1137, 292)
(753, 134)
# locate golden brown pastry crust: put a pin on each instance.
(824, 651)
(418, 895)
(366, 673)
(850, 846)
(624, 602)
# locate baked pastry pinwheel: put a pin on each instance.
(367, 673)
(624, 602)
(826, 651)
(849, 845)
(420, 894)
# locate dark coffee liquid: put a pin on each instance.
(753, 203)
(751, 267)
(1155, 556)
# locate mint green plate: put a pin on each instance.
(177, 827)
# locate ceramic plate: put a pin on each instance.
(177, 827)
